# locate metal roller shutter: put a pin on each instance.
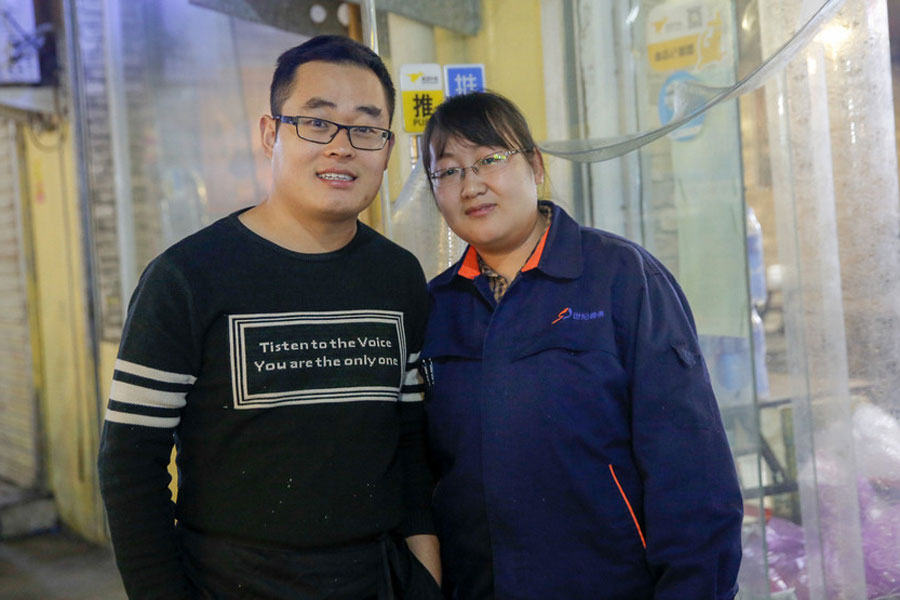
(19, 442)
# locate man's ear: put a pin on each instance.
(268, 134)
(387, 155)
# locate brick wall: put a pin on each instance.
(142, 143)
(101, 175)
(139, 162)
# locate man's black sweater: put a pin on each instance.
(288, 383)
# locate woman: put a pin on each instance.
(579, 448)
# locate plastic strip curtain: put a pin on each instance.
(691, 98)
(418, 226)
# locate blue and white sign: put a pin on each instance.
(692, 128)
(463, 79)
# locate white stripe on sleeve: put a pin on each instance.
(115, 416)
(128, 393)
(150, 373)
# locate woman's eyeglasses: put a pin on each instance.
(453, 176)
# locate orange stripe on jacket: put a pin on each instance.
(628, 504)
(469, 268)
(536, 255)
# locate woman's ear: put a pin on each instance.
(537, 165)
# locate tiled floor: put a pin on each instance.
(57, 566)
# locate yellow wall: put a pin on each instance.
(509, 46)
(69, 407)
(107, 360)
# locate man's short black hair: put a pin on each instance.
(327, 48)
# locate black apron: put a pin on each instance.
(377, 569)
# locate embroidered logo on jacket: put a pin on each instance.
(568, 313)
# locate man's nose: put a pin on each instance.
(340, 143)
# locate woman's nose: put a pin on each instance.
(472, 184)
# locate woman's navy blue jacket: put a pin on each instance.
(578, 443)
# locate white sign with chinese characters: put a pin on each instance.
(421, 90)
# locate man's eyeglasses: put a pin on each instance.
(453, 176)
(322, 131)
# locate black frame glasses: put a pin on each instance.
(323, 131)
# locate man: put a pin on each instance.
(278, 350)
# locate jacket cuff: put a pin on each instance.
(418, 522)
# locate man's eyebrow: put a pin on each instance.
(316, 102)
(371, 110)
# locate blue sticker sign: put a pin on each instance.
(463, 79)
(692, 128)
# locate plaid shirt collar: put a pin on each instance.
(497, 282)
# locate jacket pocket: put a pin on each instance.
(440, 346)
(627, 503)
(573, 340)
(446, 362)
